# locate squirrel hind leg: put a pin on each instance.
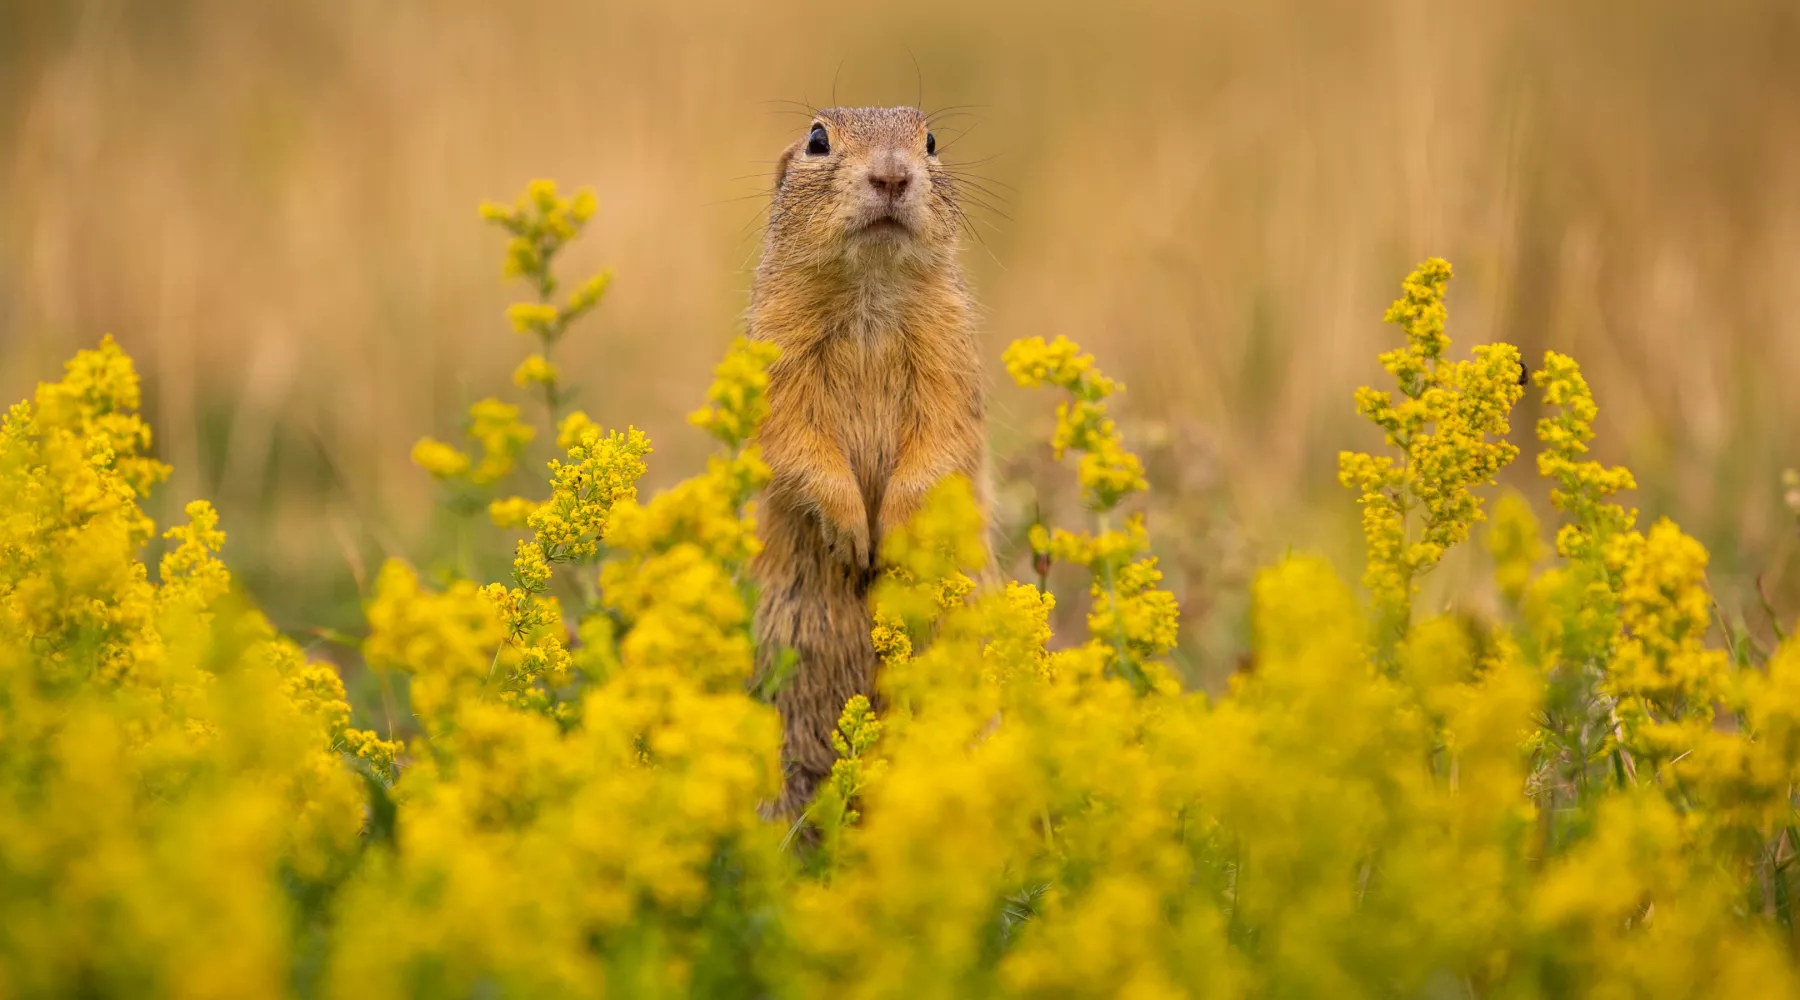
(829, 634)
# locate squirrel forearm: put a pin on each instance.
(924, 462)
(810, 473)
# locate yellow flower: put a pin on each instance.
(534, 370)
(156, 724)
(1666, 680)
(1442, 427)
(1135, 611)
(541, 221)
(1583, 485)
(589, 294)
(1132, 621)
(857, 731)
(673, 574)
(1514, 544)
(512, 512)
(1032, 363)
(736, 402)
(532, 317)
(502, 435)
(381, 755)
(889, 637)
(1107, 472)
(446, 640)
(439, 459)
(97, 400)
(569, 433)
(530, 569)
(602, 470)
(190, 573)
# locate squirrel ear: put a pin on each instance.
(781, 165)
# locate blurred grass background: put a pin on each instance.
(272, 205)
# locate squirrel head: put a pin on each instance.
(863, 188)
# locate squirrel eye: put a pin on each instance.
(817, 143)
(930, 144)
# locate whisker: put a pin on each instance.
(733, 201)
(973, 190)
(981, 201)
(747, 230)
(982, 211)
(984, 206)
(918, 74)
(798, 104)
(963, 135)
(967, 224)
(933, 115)
(966, 177)
(976, 163)
(977, 182)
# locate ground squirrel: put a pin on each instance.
(877, 396)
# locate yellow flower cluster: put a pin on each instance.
(191, 575)
(496, 427)
(534, 370)
(836, 807)
(533, 667)
(512, 512)
(1666, 679)
(175, 778)
(440, 459)
(1582, 484)
(96, 402)
(1578, 796)
(676, 577)
(541, 223)
(1514, 544)
(1634, 606)
(1108, 472)
(602, 470)
(446, 641)
(1442, 427)
(608, 833)
(737, 403)
(928, 566)
(1747, 780)
(496, 430)
(1134, 619)
(857, 731)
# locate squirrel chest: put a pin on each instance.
(864, 397)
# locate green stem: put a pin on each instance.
(547, 339)
(1121, 649)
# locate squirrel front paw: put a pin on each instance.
(894, 515)
(847, 542)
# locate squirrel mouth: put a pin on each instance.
(883, 223)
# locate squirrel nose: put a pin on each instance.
(889, 175)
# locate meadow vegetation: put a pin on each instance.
(268, 204)
(559, 788)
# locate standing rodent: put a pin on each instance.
(877, 396)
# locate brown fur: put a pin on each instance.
(876, 397)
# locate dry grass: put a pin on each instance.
(272, 205)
